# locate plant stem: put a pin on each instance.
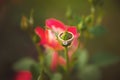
(67, 61)
(39, 51)
(41, 59)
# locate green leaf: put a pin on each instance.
(57, 76)
(40, 72)
(97, 30)
(82, 26)
(42, 76)
(104, 59)
(82, 58)
(89, 19)
(36, 70)
(24, 64)
(77, 19)
(90, 72)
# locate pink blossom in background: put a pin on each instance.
(23, 75)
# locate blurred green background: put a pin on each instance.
(16, 44)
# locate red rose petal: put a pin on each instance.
(53, 23)
(73, 30)
(41, 33)
(23, 75)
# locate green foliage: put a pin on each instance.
(97, 30)
(69, 12)
(36, 38)
(35, 69)
(82, 56)
(77, 19)
(90, 72)
(96, 2)
(48, 59)
(42, 76)
(57, 76)
(82, 26)
(104, 59)
(40, 72)
(24, 64)
(27, 23)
